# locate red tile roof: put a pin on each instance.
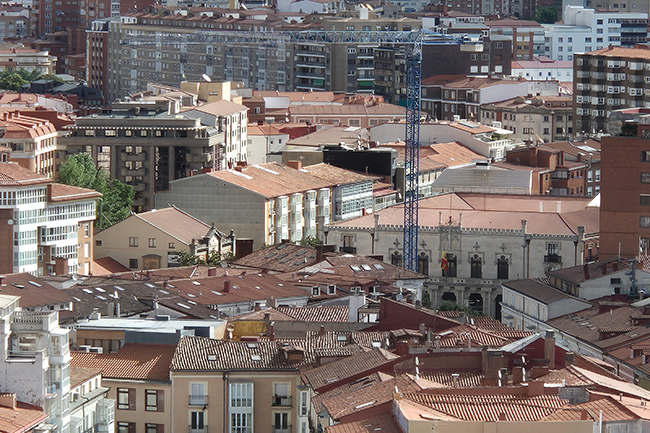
(12, 174)
(32, 295)
(284, 257)
(61, 192)
(21, 419)
(383, 423)
(133, 361)
(79, 375)
(625, 52)
(107, 266)
(175, 223)
(320, 313)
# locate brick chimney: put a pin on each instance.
(295, 164)
(226, 286)
(549, 348)
(212, 272)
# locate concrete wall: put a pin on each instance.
(210, 199)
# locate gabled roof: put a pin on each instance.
(320, 313)
(589, 271)
(33, 291)
(219, 108)
(12, 174)
(21, 419)
(271, 179)
(108, 266)
(133, 361)
(339, 176)
(175, 223)
(79, 375)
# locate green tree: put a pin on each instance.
(115, 205)
(185, 258)
(50, 77)
(426, 299)
(546, 15)
(12, 81)
(309, 241)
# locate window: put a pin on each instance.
(597, 175)
(644, 222)
(126, 398)
(476, 267)
(281, 422)
(198, 396)
(315, 291)
(98, 243)
(502, 268)
(645, 156)
(645, 177)
(197, 422)
(125, 427)
(241, 408)
(155, 400)
(451, 266)
(331, 289)
(133, 241)
(87, 229)
(423, 264)
(152, 242)
(396, 259)
(172, 245)
(154, 428)
(133, 263)
(614, 281)
(304, 403)
(281, 395)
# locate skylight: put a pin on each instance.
(90, 292)
(34, 283)
(378, 267)
(150, 285)
(366, 267)
(119, 288)
(196, 283)
(251, 345)
(355, 268)
(256, 357)
(183, 305)
(99, 289)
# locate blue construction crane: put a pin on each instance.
(412, 41)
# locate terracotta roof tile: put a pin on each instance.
(321, 313)
(466, 379)
(219, 108)
(176, 223)
(280, 257)
(624, 52)
(61, 192)
(588, 271)
(383, 423)
(12, 174)
(79, 375)
(536, 289)
(31, 295)
(339, 371)
(339, 176)
(611, 410)
(108, 265)
(21, 419)
(133, 361)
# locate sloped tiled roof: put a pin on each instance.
(321, 313)
(133, 361)
(588, 271)
(21, 419)
(79, 375)
(339, 176)
(176, 223)
(382, 423)
(611, 410)
(32, 295)
(466, 379)
(284, 257)
(536, 289)
(107, 266)
(12, 174)
(488, 407)
(61, 192)
(340, 370)
(205, 354)
(271, 179)
(219, 108)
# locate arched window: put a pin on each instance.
(423, 264)
(396, 259)
(451, 268)
(477, 267)
(502, 268)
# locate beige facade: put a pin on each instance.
(141, 405)
(278, 403)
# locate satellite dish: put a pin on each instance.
(399, 297)
(207, 78)
(75, 277)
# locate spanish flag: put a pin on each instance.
(444, 264)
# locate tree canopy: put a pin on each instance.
(185, 258)
(115, 205)
(14, 80)
(546, 15)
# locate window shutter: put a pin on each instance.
(131, 427)
(132, 400)
(161, 403)
(160, 428)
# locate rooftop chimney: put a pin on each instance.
(549, 348)
(517, 375)
(295, 164)
(3, 280)
(226, 286)
(321, 331)
(569, 358)
(212, 272)
(8, 399)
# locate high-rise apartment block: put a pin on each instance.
(607, 80)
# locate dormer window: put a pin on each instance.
(315, 291)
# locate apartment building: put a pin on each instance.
(148, 144)
(444, 97)
(138, 382)
(97, 57)
(607, 80)
(33, 141)
(15, 59)
(151, 240)
(47, 226)
(268, 202)
(585, 30)
(239, 386)
(625, 194)
(527, 37)
(90, 409)
(543, 68)
(538, 118)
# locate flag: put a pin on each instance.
(444, 264)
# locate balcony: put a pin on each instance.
(198, 400)
(349, 250)
(552, 258)
(281, 401)
(33, 321)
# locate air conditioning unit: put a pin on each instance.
(96, 350)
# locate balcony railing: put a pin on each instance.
(280, 401)
(552, 258)
(349, 250)
(198, 400)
